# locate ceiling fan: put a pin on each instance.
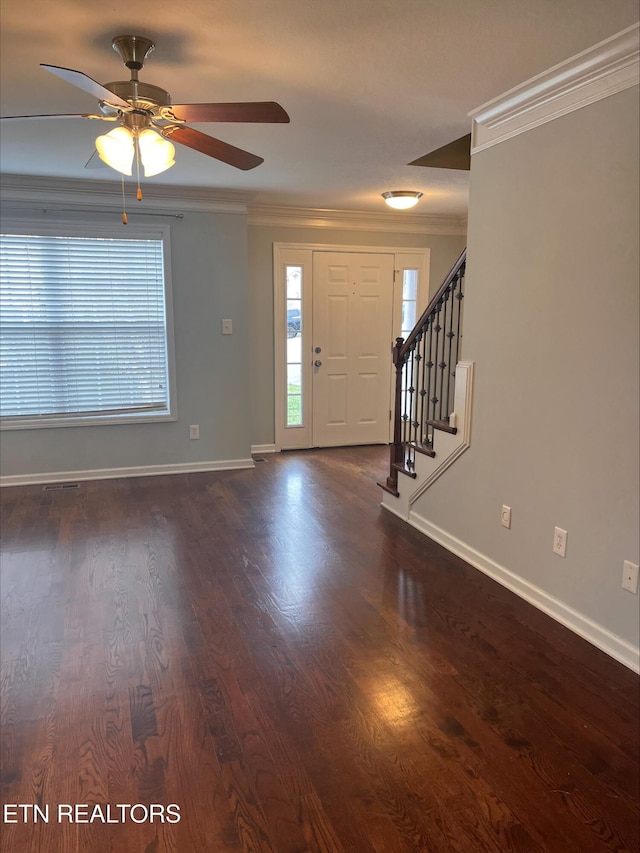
(148, 123)
(453, 155)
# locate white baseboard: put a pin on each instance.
(133, 471)
(263, 448)
(594, 633)
(392, 504)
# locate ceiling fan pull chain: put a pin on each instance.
(124, 212)
(138, 191)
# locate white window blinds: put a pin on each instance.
(83, 330)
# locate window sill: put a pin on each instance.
(111, 420)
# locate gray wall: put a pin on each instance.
(551, 321)
(209, 276)
(220, 269)
(444, 251)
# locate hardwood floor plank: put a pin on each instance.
(294, 670)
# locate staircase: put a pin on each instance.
(432, 417)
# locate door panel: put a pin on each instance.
(337, 333)
(337, 399)
(352, 326)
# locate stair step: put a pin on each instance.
(389, 489)
(423, 448)
(404, 470)
(444, 426)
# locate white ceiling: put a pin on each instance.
(369, 84)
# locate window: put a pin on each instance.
(409, 319)
(294, 345)
(409, 301)
(83, 327)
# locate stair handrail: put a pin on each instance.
(433, 304)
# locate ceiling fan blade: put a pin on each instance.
(57, 115)
(87, 84)
(453, 155)
(212, 147)
(264, 111)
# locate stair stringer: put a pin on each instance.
(447, 448)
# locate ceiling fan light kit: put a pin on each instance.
(402, 199)
(156, 152)
(118, 148)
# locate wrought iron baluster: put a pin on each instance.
(422, 392)
(405, 395)
(430, 368)
(407, 410)
(450, 336)
(435, 399)
(442, 365)
(416, 393)
(460, 297)
(410, 411)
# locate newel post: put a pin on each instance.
(396, 453)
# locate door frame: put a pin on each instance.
(301, 254)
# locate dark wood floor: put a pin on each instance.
(297, 670)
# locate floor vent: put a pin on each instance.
(54, 487)
(258, 459)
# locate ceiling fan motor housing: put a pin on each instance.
(144, 96)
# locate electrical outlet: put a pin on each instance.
(227, 327)
(560, 542)
(630, 577)
(505, 518)
(194, 431)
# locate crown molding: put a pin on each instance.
(38, 192)
(352, 220)
(608, 67)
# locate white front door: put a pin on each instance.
(352, 340)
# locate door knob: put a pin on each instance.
(317, 363)
(318, 349)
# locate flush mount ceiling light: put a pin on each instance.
(401, 199)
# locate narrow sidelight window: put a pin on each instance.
(409, 301)
(294, 345)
